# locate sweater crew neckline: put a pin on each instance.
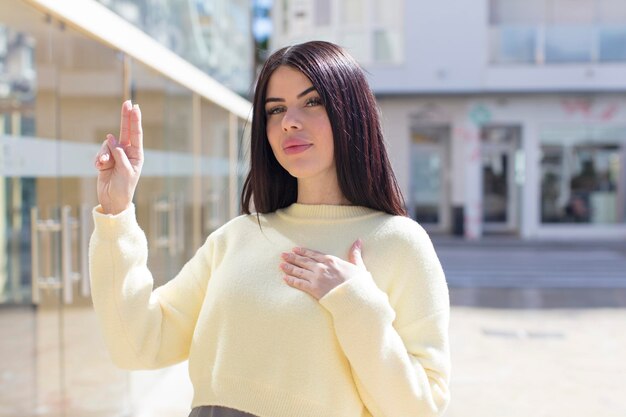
(325, 211)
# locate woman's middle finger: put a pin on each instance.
(296, 271)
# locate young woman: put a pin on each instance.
(327, 301)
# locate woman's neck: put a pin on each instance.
(317, 192)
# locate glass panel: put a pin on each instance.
(612, 43)
(164, 194)
(501, 173)
(495, 166)
(569, 44)
(582, 179)
(386, 46)
(427, 196)
(30, 357)
(514, 44)
(89, 95)
(215, 167)
(426, 171)
(169, 194)
(214, 35)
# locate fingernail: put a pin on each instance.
(104, 157)
(136, 106)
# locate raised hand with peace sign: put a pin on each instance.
(119, 162)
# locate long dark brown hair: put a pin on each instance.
(363, 170)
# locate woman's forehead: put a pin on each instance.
(287, 81)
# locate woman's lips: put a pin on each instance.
(297, 149)
(294, 145)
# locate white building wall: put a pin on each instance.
(446, 76)
(445, 49)
(534, 114)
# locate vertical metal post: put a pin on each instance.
(34, 238)
(196, 188)
(66, 255)
(84, 233)
(126, 77)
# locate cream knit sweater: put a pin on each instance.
(376, 346)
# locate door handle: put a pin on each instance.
(69, 227)
(52, 230)
(213, 210)
(179, 222)
(168, 214)
(48, 228)
(159, 221)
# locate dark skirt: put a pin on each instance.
(217, 411)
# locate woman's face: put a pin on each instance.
(298, 128)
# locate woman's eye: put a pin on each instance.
(274, 110)
(314, 101)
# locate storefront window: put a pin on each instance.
(582, 176)
(513, 44)
(612, 41)
(572, 43)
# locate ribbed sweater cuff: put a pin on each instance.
(115, 226)
(361, 297)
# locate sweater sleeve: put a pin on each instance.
(399, 354)
(143, 329)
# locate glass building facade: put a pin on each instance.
(213, 35)
(61, 89)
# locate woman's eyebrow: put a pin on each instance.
(304, 93)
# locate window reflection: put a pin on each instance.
(612, 44)
(18, 77)
(557, 31)
(569, 44)
(514, 44)
(580, 182)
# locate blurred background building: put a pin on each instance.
(65, 69)
(502, 116)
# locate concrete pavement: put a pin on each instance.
(539, 363)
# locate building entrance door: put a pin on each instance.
(500, 191)
(429, 198)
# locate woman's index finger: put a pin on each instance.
(136, 131)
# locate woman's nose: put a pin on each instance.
(291, 120)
